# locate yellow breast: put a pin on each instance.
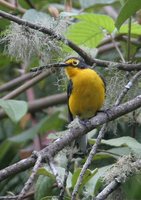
(88, 92)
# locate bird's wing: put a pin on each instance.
(102, 78)
(104, 83)
(69, 91)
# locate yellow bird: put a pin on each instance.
(86, 92)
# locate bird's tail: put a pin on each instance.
(82, 143)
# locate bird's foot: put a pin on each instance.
(85, 122)
(106, 111)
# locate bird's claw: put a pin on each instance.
(85, 122)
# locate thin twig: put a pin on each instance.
(13, 83)
(55, 173)
(68, 5)
(29, 194)
(127, 87)
(44, 67)
(30, 4)
(8, 197)
(107, 47)
(28, 84)
(32, 176)
(107, 190)
(61, 196)
(117, 48)
(120, 37)
(89, 160)
(111, 11)
(12, 7)
(129, 38)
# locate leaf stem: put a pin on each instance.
(117, 48)
(129, 38)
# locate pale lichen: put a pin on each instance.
(121, 170)
(24, 43)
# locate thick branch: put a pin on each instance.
(88, 59)
(74, 132)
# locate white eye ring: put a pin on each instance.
(75, 62)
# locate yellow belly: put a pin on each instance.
(87, 95)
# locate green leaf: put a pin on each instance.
(4, 61)
(136, 29)
(91, 184)
(120, 151)
(126, 141)
(28, 134)
(52, 122)
(100, 21)
(87, 176)
(90, 30)
(14, 109)
(8, 153)
(61, 171)
(45, 187)
(103, 156)
(44, 171)
(4, 148)
(84, 34)
(129, 8)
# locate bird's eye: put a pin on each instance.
(75, 62)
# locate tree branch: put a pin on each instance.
(107, 190)
(47, 31)
(115, 183)
(13, 83)
(28, 84)
(74, 132)
(88, 161)
(12, 7)
(55, 173)
(88, 59)
(127, 87)
(30, 4)
(32, 176)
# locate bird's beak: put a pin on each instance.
(35, 69)
(63, 65)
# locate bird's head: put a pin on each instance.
(73, 66)
(75, 62)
